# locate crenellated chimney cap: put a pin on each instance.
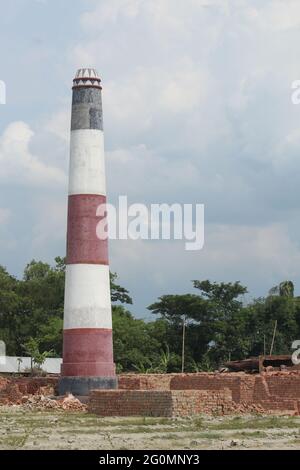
(87, 77)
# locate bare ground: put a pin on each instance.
(27, 429)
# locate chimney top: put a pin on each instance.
(87, 77)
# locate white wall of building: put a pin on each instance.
(9, 364)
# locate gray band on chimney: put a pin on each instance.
(87, 108)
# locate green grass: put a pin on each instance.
(200, 430)
(208, 435)
(171, 436)
(249, 435)
(13, 441)
(257, 423)
(91, 420)
(198, 436)
(198, 423)
(142, 430)
(295, 442)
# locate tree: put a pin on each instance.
(42, 303)
(219, 326)
(229, 340)
(216, 322)
(118, 293)
(196, 313)
(134, 341)
(279, 306)
(9, 307)
(38, 358)
(33, 306)
(286, 289)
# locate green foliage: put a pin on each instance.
(118, 293)
(38, 358)
(139, 345)
(33, 306)
(284, 289)
(219, 326)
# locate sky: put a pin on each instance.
(197, 109)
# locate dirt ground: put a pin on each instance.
(26, 429)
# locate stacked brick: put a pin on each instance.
(168, 394)
(130, 403)
(161, 403)
(269, 392)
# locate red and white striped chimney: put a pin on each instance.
(87, 343)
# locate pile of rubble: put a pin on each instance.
(10, 394)
(283, 372)
(41, 402)
(36, 397)
(244, 408)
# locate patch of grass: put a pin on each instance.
(171, 436)
(208, 435)
(196, 435)
(198, 423)
(257, 423)
(295, 442)
(29, 424)
(87, 432)
(142, 430)
(138, 421)
(13, 441)
(93, 420)
(249, 434)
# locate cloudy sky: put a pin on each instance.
(197, 109)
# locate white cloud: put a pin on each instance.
(109, 12)
(196, 109)
(259, 257)
(59, 124)
(267, 251)
(4, 216)
(50, 223)
(144, 168)
(18, 164)
(159, 106)
(277, 15)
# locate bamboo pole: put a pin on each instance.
(273, 339)
(183, 345)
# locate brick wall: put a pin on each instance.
(241, 385)
(145, 381)
(244, 387)
(159, 403)
(130, 403)
(12, 389)
(277, 391)
(284, 385)
(193, 402)
(211, 382)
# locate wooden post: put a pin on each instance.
(183, 345)
(273, 339)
